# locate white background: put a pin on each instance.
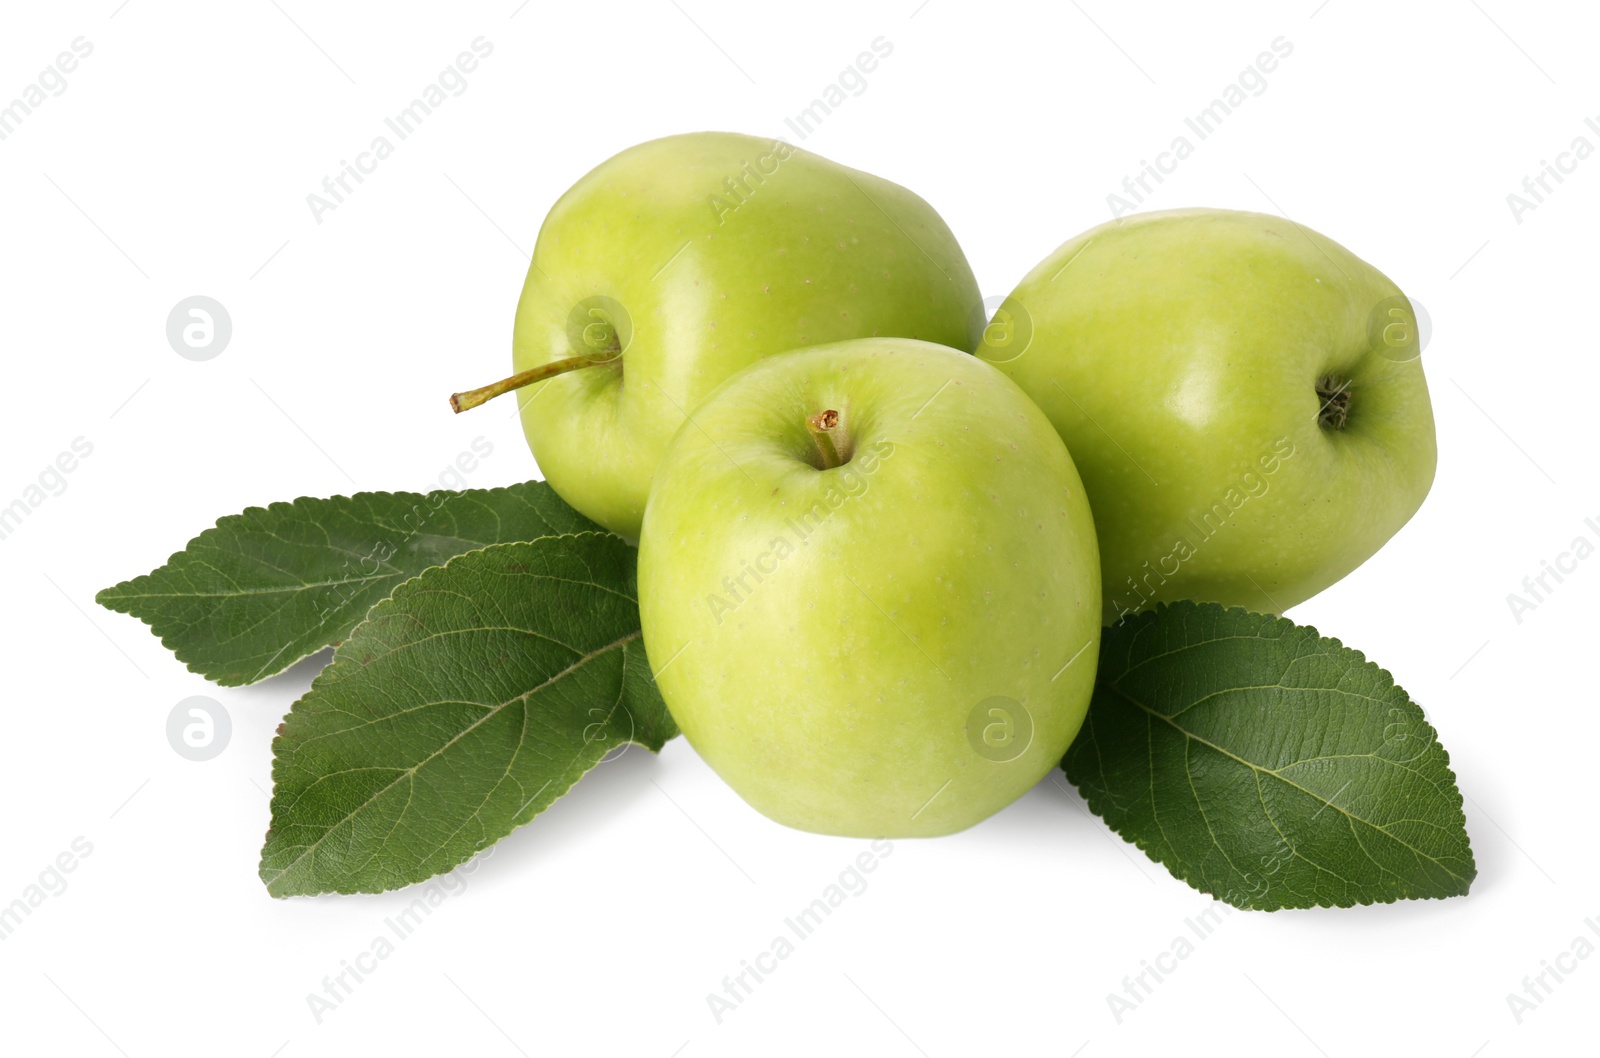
(178, 162)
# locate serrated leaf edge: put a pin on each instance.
(221, 524)
(328, 673)
(1180, 872)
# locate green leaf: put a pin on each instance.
(263, 589)
(461, 708)
(1268, 766)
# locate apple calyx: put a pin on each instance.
(460, 402)
(832, 443)
(1334, 395)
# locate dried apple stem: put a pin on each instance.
(823, 427)
(460, 402)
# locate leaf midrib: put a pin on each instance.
(1120, 693)
(411, 771)
(286, 589)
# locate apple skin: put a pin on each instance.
(1179, 356)
(831, 640)
(711, 277)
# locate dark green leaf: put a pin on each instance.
(461, 708)
(263, 589)
(1266, 765)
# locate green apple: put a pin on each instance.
(680, 261)
(869, 588)
(1242, 396)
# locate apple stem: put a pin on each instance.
(822, 426)
(460, 402)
